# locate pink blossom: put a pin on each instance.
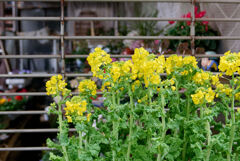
(156, 42)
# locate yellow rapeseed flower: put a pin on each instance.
(106, 84)
(201, 77)
(198, 97)
(135, 84)
(140, 55)
(173, 88)
(173, 62)
(96, 59)
(215, 79)
(224, 88)
(56, 85)
(87, 86)
(146, 66)
(115, 71)
(230, 63)
(126, 67)
(190, 60)
(89, 116)
(209, 96)
(75, 107)
(203, 95)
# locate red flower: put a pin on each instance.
(23, 90)
(171, 22)
(196, 10)
(189, 15)
(200, 14)
(9, 99)
(18, 98)
(205, 22)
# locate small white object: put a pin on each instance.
(45, 116)
(3, 137)
(15, 82)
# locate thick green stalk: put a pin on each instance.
(208, 141)
(232, 132)
(130, 124)
(115, 125)
(236, 157)
(178, 110)
(80, 143)
(226, 117)
(163, 126)
(178, 97)
(185, 136)
(149, 133)
(201, 111)
(60, 120)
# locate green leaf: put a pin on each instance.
(54, 157)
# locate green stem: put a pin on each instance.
(178, 96)
(159, 157)
(65, 155)
(80, 143)
(185, 136)
(130, 124)
(201, 111)
(232, 132)
(149, 133)
(178, 110)
(150, 97)
(115, 125)
(208, 141)
(226, 117)
(236, 157)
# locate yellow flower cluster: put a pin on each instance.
(115, 71)
(75, 107)
(203, 95)
(224, 88)
(190, 60)
(230, 63)
(140, 56)
(135, 84)
(142, 66)
(215, 79)
(147, 67)
(201, 77)
(89, 116)
(87, 86)
(106, 84)
(173, 62)
(55, 85)
(96, 59)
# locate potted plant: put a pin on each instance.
(202, 28)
